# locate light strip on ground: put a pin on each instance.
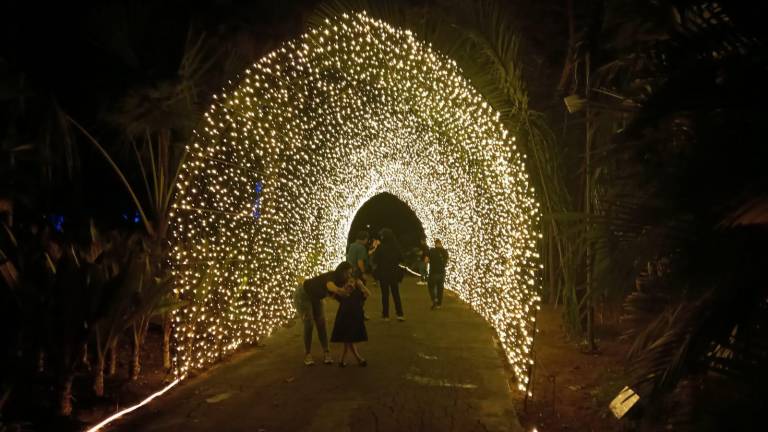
(409, 270)
(119, 414)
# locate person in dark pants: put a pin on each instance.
(309, 298)
(438, 259)
(387, 259)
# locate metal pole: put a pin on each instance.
(588, 211)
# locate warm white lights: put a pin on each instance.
(121, 413)
(308, 134)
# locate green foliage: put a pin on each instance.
(665, 107)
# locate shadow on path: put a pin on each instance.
(437, 371)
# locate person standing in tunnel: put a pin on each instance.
(309, 301)
(357, 255)
(438, 260)
(371, 250)
(423, 259)
(387, 258)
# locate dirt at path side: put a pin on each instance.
(572, 389)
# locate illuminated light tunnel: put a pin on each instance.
(290, 151)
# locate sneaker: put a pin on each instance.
(421, 283)
(308, 360)
(401, 318)
(327, 360)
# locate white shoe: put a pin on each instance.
(421, 283)
(327, 360)
(308, 360)
(401, 318)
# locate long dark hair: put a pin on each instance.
(340, 274)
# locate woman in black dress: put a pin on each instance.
(349, 327)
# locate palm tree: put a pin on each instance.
(119, 273)
(157, 122)
(668, 79)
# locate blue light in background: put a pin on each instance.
(136, 218)
(57, 221)
(257, 200)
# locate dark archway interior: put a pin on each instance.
(388, 211)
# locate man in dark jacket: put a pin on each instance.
(438, 260)
(387, 259)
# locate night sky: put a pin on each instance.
(85, 56)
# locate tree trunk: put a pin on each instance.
(98, 377)
(553, 291)
(139, 330)
(588, 303)
(167, 327)
(568, 64)
(4, 397)
(85, 360)
(65, 395)
(112, 358)
(135, 357)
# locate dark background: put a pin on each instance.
(387, 211)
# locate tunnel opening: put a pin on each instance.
(386, 210)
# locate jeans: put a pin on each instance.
(312, 313)
(435, 286)
(386, 287)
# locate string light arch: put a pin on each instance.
(305, 136)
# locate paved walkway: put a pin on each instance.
(437, 371)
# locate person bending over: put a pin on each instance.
(309, 297)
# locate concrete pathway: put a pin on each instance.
(437, 371)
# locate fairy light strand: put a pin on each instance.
(350, 109)
(128, 410)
